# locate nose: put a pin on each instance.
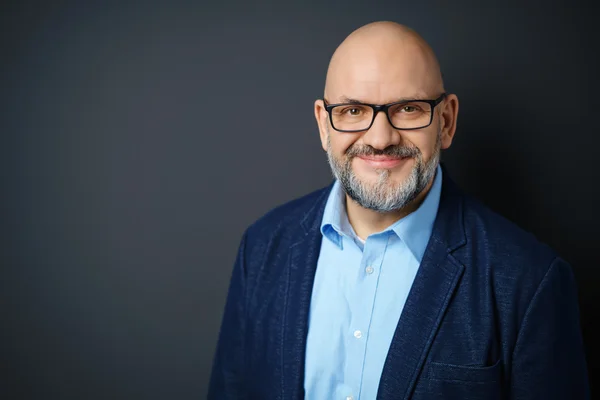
(381, 134)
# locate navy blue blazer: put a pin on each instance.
(492, 313)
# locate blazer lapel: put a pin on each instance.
(436, 280)
(302, 265)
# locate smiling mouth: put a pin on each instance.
(383, 161)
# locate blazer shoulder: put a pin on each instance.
(270, 236)
(508, 245)
(504, 256)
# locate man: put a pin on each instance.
(391, 283)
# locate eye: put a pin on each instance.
(352, 111)
(408, 109)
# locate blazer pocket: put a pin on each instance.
(465, 373)
(442, 381)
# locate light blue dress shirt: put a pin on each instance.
(359, 292)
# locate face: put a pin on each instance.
(384, 169)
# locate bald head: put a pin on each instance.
(382, 62)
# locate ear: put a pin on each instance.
(321, 117)
(448, 119)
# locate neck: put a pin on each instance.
(366, 222)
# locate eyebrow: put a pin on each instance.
(350, 100)
(345, 99)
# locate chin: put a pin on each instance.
(382, 178)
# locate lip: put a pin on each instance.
(383, 162)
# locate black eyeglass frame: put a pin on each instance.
(383, 107)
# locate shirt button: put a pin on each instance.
(369, 270)
(357, 334)
(349, 398)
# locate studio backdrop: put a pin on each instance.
(140, 139)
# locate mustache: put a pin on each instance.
(390, 151)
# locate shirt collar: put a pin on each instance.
(414, 229)
(335, 223)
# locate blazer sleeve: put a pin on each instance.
(549, 358)
(228, 370)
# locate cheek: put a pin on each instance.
(426, 145)
(341, 143)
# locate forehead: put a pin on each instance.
(381, 77)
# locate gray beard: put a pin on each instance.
(383, 196)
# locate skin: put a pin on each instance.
(380, 63)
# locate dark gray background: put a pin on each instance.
(140, 139)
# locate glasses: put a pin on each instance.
(404, 115)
